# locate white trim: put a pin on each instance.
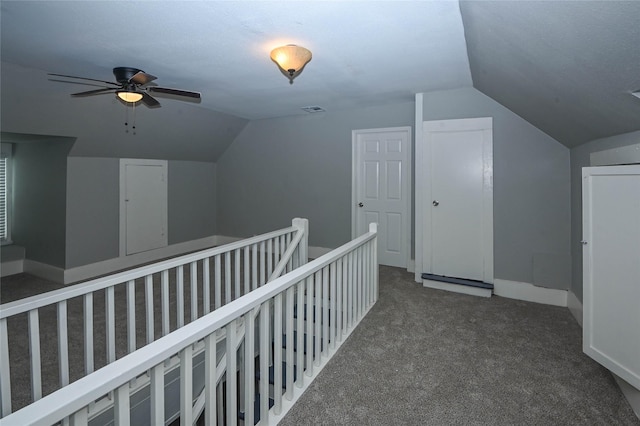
(575, 307)
(418, 186)
(411, 266)
(43, 270)
(91, 270)
(124, 162)
(355, 160)
(632, 394)
(457, 288)
(529, 292)
(12, 267)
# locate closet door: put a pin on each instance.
(611, 268)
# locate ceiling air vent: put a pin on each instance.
(312, 109)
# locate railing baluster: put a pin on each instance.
(236, 275)
(265, 320)
(148, 296)
(80, 417)
(288, 242)
(180, 296)
(340, 296)
(88, 333)
(193, 278)
(318, 318)
(269, 257)
(186, 386)
(254, 266)
(325, 311)
(110, 323)
(307, 312)
(210, 383)
(300, 334)
(247, 271)
(263, 269)
(34, 350)
(232, 400)
(276, 251)
(217, 282)
(289, 342)
(227, 277)
(122, 406)
(332, 307)
(358, 283)
(5, 371)
(131, 316)
(249, 366)
(63, 343)
(164, 294)
(343, 299)
(157, 394)
(206, 286)
(277, 352)
(350, 290)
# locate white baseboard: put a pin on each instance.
(456, 288)
(43, 270)
(575, 307)
(109, 266)
(529, 292)
(12, 267)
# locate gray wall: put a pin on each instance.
(580, 157)
(176, 131)
(297, 166)
(532, 190)
(39, 215)
(93, 212)
(192, 200)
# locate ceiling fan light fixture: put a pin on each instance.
(128, 96)
(291, 59)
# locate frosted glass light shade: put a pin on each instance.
(129, 96)
(291, 59)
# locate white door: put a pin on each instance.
(381, 159)
(454, 174)
(144, 205)
(611, 268)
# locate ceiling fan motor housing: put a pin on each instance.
(124, 74)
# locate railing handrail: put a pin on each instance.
(80, 289)
(73, 397)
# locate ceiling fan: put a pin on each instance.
(131, 87)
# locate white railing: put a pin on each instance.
(120, 313)
(314, 307)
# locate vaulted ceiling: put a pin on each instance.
(567, 67)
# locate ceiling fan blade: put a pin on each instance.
(175, 92)
(95, 92)
(84, 78)
(142, 78)
(149, 100)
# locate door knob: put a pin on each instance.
(360, 204)
(435, 203)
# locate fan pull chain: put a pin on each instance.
(134, 117)
(126, 119)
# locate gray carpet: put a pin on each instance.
(430, 357)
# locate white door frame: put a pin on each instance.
(407, 183)
(124, 162)
(424, 199)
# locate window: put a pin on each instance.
(5, 194)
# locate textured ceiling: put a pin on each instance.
(568, 67)
(363, 52)
(565, 66)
